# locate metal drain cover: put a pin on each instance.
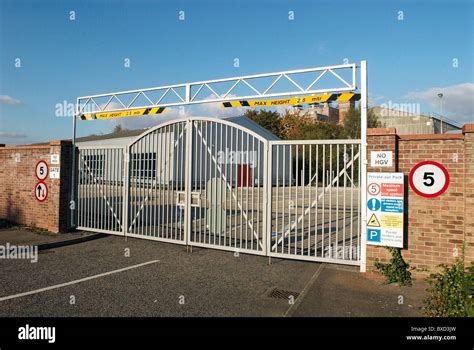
(278, 293)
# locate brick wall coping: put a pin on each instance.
(431, 137)
(25, 147)
(60, 142)
(51, 143)
(467, 128)
(381, 131)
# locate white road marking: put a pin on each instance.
(76, 281)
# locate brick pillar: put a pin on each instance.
(64, 149)
(468, 131)
(380, 139)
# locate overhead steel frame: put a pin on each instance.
(184, 95)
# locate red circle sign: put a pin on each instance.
(429, 179)
(41, 170)
(373, 189)
(41, 191)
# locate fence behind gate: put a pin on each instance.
(212, 183)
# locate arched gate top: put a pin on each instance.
(194, 119)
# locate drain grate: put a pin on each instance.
(277, 293)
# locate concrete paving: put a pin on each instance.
(202, 283)
(345, 293)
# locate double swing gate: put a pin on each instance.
(212, 183)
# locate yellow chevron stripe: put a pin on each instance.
(235, 104)
(285, 101)
(346, 97)
(122, 114)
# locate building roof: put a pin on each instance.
(112, 135)
(125, 135)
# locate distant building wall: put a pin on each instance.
(408, 123)
(436, 228)
(18, 182)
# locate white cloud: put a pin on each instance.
(8, 100)
(12, 135)
(375, 99)
(111, 106)
(458, 100)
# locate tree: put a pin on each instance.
(118, 129)
(295, 125)
(267, 119)
(352, 123)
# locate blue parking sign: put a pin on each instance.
(373, 235)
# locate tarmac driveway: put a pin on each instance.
(112, 276)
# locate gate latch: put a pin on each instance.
(195, 199)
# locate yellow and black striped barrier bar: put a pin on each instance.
(122, 114)
(324, 98)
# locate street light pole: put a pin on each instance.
(440, 95)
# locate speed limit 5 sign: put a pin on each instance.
(41, 170)
(429, 179)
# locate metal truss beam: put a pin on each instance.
(189, 93)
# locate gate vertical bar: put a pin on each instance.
(267, 197)
(72, 204)
(188, 176)
(126, 187)
(363, 162)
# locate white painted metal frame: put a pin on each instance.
(97, 189)
(188, 94)
(292, 214)
(184, 94)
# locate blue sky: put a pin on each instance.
(408, 60)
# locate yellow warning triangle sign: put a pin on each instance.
(373, 222)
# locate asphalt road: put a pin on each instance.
(161, 279)
(210, 282)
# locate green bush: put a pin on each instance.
(450, 291)
(397, 270)
(469, 290)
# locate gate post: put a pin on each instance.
(188, 180)
(125, 190)
(363, 151)
(267, 195)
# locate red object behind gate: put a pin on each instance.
(244, 175)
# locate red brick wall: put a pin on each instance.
(18, 180)
(436, 228)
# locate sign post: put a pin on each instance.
(385, 206)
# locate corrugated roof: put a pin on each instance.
(239, 120)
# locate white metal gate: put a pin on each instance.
(315, 200)
(211, 183)
(100, 188)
